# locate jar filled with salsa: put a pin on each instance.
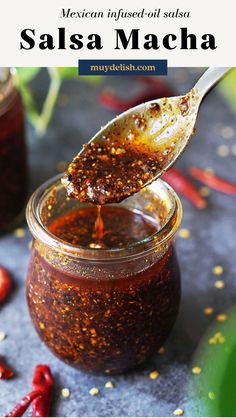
(13, 165)
(103, 288)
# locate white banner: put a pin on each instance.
(60, 32)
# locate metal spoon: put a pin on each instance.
(137, 146)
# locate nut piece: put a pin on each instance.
(94, 391)
(217, 270)
(109, 385)
(178, 412)
(196, 370)
(65, 393)
(184, 233)
(154, 374)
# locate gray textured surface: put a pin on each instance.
(212, 242)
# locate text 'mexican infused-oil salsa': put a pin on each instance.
(103, 284)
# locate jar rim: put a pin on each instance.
(161, 237)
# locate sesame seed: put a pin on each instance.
(41, 325)
(208, 310)
(233, 150)
(209, 171)
(211, 395)
(178, 412)
(161, 350)
(109, 385)
(94, 391)
(184, 233)
(217, 270)
(65, 393)
(218, 338)
(19, 232)
(219, 284)
(196, 370)
(223, 150)
(154, 375)
(204, 191)
(2, 336)
(221, 317)
(227, 132)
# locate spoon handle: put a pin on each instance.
(209, 79)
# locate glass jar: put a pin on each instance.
(13, 166)
(104, 310)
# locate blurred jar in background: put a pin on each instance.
(13, 161)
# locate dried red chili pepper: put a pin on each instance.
(5, 284)
(184, 186)
(154, 91)
(5, 372)
(40, 396)
(24, 404)
(42, 382)
(213, 181)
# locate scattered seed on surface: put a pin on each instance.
(161, 350)
(178, 412)
(65, 393)
(227, 132)
(154, 374)
(211, 395)
(184, 233)
(208, 310)
(218, 338)
(223, 150)
(2, 336)
(233, 150)
(41, 325)
(196, 370)
(19, 232)
(94, 391)
(219, 284)
(204, 191)
(209, 171)
(217, 270)
(109, 385)
(221, 317)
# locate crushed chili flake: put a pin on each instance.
(5, 371)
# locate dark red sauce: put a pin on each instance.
(13, 166)
(103, 324)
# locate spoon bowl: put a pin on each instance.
(136, 147)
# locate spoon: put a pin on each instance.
(137, 147)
